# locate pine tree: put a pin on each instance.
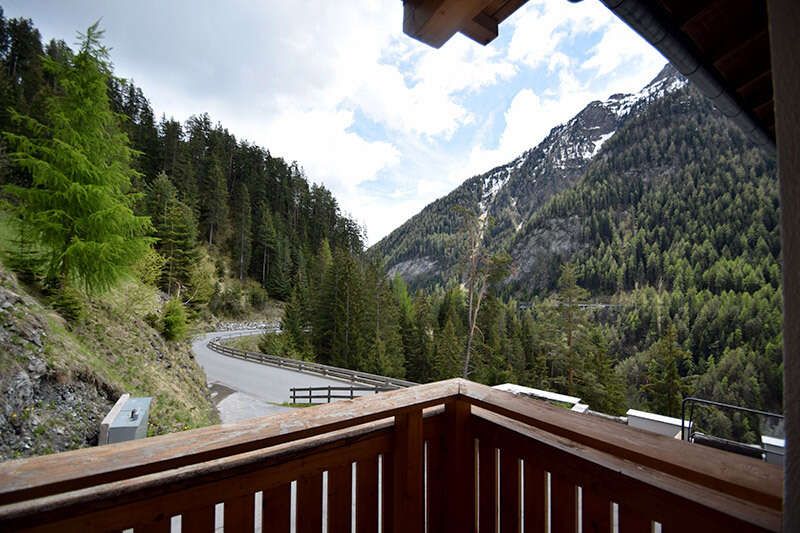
(264, 245)
(79, 204)
(242, 226)
(214, 204)
(176, 230)
(293, 323)
(665, 387)
(570, 295)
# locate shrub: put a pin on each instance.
(174, 323)
(68, 302)
(257, 296)
(228, 302)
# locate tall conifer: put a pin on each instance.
(79, 204)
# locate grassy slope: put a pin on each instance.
(136, 358)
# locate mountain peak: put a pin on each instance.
(509, 194)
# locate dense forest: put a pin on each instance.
(664, 282)
(217, 206)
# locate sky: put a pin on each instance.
(385, 122)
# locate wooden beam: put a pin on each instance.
(367, 495)
(434, 22)
(482, 29)
(784, 19)
(460, 468)
(408, 473)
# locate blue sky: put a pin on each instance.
(387, 123)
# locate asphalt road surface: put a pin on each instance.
(243, 389)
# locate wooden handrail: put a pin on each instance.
(51, 474)
(739, 476)
(185, 473)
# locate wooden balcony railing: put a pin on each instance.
(448, 456)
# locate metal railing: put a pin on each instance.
(686, 425)
(328, 393)
(308, 367)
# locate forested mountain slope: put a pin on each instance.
(427, 247)
(671, 227)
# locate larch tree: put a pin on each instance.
(571, 295)
(481, 270)
(79, 204)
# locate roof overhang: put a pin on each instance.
(722, 46)
(434, 22)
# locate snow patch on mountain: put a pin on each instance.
(494, 182)
(599, 144)
(622, 104)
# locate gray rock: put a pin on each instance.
(36, 367)
(22, 388)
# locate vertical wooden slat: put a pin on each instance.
(239, 513)
(509, 492)
(200, 519)
(367, 495)
(534, 503)
(309, 503)
(408, 508)
(487, 495)
(340, 492)
(564, 505)
(387, 489)
(630, 521)
(460, 469)
(435, 470)
(595, 512)
(276, 509)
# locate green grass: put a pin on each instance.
(248, 343)
(298, 405)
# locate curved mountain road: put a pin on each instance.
(243, 389)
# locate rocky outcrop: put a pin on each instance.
(43, 408)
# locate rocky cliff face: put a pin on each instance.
(425, 248)
(44, 407)
(58, 381)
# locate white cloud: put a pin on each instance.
(320, 141)
(543, 26)
(426, 101)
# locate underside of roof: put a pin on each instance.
(722, 46)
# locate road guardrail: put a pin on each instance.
(297, 365)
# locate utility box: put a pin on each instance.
(127, 420)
